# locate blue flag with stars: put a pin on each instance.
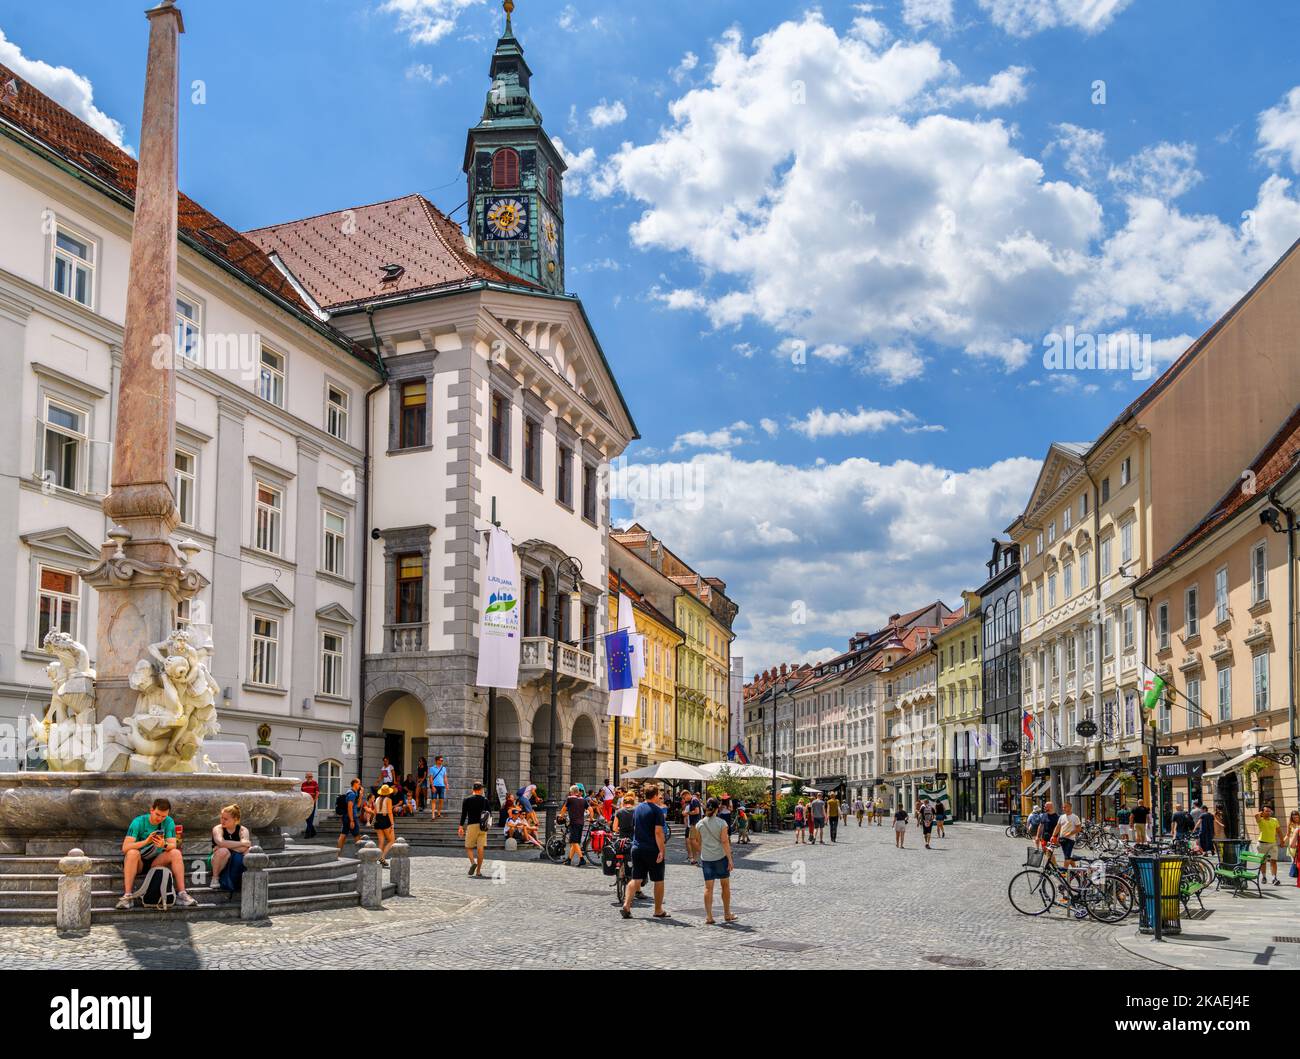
(618, 660)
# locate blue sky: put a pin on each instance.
(822, 246)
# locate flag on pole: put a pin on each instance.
(498, 627)
(624, 685)
(1153, 688)
(1026, 721)
(737, 753)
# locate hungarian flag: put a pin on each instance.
(1152, 690)
(1026, 721)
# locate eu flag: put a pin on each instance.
(618, 660)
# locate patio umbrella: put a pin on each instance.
(734, 768)
(667, 770)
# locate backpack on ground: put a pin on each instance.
(158, 889)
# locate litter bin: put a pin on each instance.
(1158, 879)
(1229, 850)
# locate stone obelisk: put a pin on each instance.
(140, 576)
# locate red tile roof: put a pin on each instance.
(1276, 458)
(101, 162)
(340, 257)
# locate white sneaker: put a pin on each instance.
(184, 900)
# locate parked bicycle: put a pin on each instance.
(1088, 889)
(1017, 830)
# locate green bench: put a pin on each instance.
(1239, 876)
(1189, 888)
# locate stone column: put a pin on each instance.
(73, 913)
(399, 856)
(139, 577)
(255, 887)
(370, 877)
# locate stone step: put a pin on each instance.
(296, 856)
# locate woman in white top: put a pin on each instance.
(715, 860)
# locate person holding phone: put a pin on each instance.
(151, 839)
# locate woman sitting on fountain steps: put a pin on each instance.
(230, 841)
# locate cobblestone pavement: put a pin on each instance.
(859, 903)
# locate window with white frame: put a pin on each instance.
(1105, 557)
(1126, 471)
(1051, 590)
(1051, 532)
(332, 676)
(270, 378)
(1221, 595)
(58, 601)
(189, 328)
(337, 402)
(1162, 625)
(1108, 637)
(1193, 702)
(1259, 667)
(1068, 584)
(1192, 610)
(1089, 651)
(1038, 595)
(1038, 545)
(73, 266)
(1258, 573)
(269, 518)
(265, 666)
(263, 764)
(329, 775)
(1225, 693)
(183, 482)
(1128, 628)
(334, 530)
(1067, 517)
(64, 445)
(1084, 567)
(1126, 543)
(1083, 505)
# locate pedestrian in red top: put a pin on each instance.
(312, 789)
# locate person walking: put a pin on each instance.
(1293, 842)
(350, 821)
(1068, 828)
(312, 789)
(692, 814)
(1266, 847)
(925, 817)
(900, 827)
(475, 822)
(818, 808)
(833, 814)
(437, 786)
(940, 815)
(648, 852)
(387, 775)
(1203, 832)
(1139, 817)
(808, 819)
(1046, 825)
(858, 810)
(1122, 818)
(384, 830)
(879, 808)
(574, 810)
(607, 794)
(421, 783)
(798, 823)
(715, 860)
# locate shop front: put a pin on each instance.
(965, 787)
(1181, 788)
(1038, 791)
(1001, 791)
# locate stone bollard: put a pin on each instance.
(255, 887)
(370, 877)
(73, 913)
(512, 844)
(399, 856)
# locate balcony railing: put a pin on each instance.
(405, 639)
(573, 666)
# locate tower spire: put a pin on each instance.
(509, 6)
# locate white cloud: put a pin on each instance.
(66, 87)
(921, 13)
(726, 438)
(424, 72)
(581, 166)
(604, 114)
(854, 541)
(821, 424)
(1002, 90)
(1279, 131)
(770, 427)
(793, 176)
(683, 69)
(1162, 171)
(570, 22)
(426, 21)
(1022, 18)
(1084, 151)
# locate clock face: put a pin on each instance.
(507, 219)
(550, 235)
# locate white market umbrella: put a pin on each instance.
(666, 770)
(806, 790)
(734, 768)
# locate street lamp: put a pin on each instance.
(774, 821)
(553, 766)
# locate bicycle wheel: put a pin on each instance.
(1012, 831)
(590, 855)
(620, 883)
(1110, 902)
(1199, 869)
(1031, 892)
(555, 848)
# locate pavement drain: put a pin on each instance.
(1287, 940)
(1200, 913)
(779, 946)
(955, 961)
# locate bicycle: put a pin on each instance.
(1106, 897)
(591, 850)
(1017, 830)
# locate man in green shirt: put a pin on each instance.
(151, 839)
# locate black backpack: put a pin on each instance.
(341, 805)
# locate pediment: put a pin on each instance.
(269, 596)
(64, 541)
(335, 612)
(1059, 466)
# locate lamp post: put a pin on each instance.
(553, 766)
(774, 819)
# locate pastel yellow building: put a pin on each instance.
(650, 736)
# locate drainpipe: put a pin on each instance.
(1096, 631)
(366, 463)
(1290, 625)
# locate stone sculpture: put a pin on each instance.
(66, 733)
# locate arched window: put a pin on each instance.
(329, 774)
(1013, 613)
(263, 765)
(1000, 619)
(505, 168)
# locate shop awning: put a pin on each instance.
(1035, 789)
(1231, 764)
(1095, 784)
(1113, 786)
(1077, 788)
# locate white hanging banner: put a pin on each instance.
(623, 703)
(498, 621)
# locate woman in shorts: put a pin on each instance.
(715, 860)
(384, 831)
(900, 827)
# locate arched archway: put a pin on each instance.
(509, 755)
(394, 725)
(586, 753)
(539, 761)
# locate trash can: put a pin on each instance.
(1159, 910)
(1229, 850)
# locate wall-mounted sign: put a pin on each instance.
(1166, 751)
(263, 735)
(1087, 729)
(1183, 768)
(1010, 746)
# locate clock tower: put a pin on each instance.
(515, 174)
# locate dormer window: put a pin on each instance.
(505, 168)
(392, 272)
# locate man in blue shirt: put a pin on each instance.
(647, 852)
(350, 824)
